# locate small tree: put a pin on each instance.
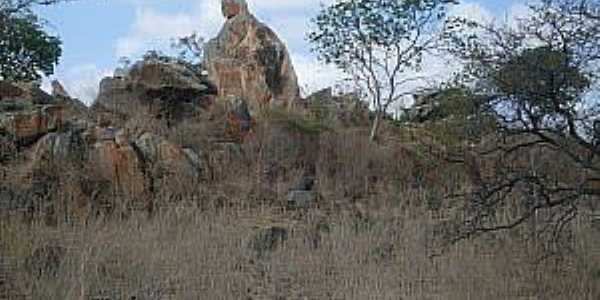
(378, 43)
(540, 81)
(26, 51)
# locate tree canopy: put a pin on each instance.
(539, 80)
(26, 51)
(378, 43)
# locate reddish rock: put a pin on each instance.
(160, 88)
(166, 161)
(28, 125)
(123, 168)
(248, 60)
(28, 113)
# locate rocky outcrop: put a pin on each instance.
(143, 166)
(123, 167)
(27, 112)
(168, 160)
(248, 60)
(163, 88)
(232, 8)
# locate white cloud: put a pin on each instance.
(81, 82)
(152, 29)
(155, 30)
(314, 75)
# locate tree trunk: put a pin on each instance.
(375, 127)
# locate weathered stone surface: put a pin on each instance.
(57, 147)
(27, 125)
(167, 158)
(123, 167)
(232, 8)
(58, 91)
(27, 113)
(249, 61)
(165, 89)
(141, 167)
(23, 92)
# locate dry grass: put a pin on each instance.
(188, 253)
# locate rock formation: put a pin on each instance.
(27, 112)
(163, 88)
(248, 60)
(58, 91)
(232, 8)
(120, 153)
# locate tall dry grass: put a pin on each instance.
(188, 253)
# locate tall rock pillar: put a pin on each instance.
(247, 60)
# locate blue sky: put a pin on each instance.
(96, 33)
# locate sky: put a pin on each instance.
(97, 33)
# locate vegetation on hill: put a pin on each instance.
(486, 188)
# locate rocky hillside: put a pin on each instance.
(161, 129)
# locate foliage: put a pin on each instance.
(539, 80)
(10, 7)
(26, 50)
(378, 43)
(190, 47)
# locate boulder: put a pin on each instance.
(28, 124)
(57, 147)
(170, 160)
(232, 8)
(166, 89)
(123, 167)
(143, 166)
(248, 60)
(58, 90)
(28, 113)
(22, 93)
